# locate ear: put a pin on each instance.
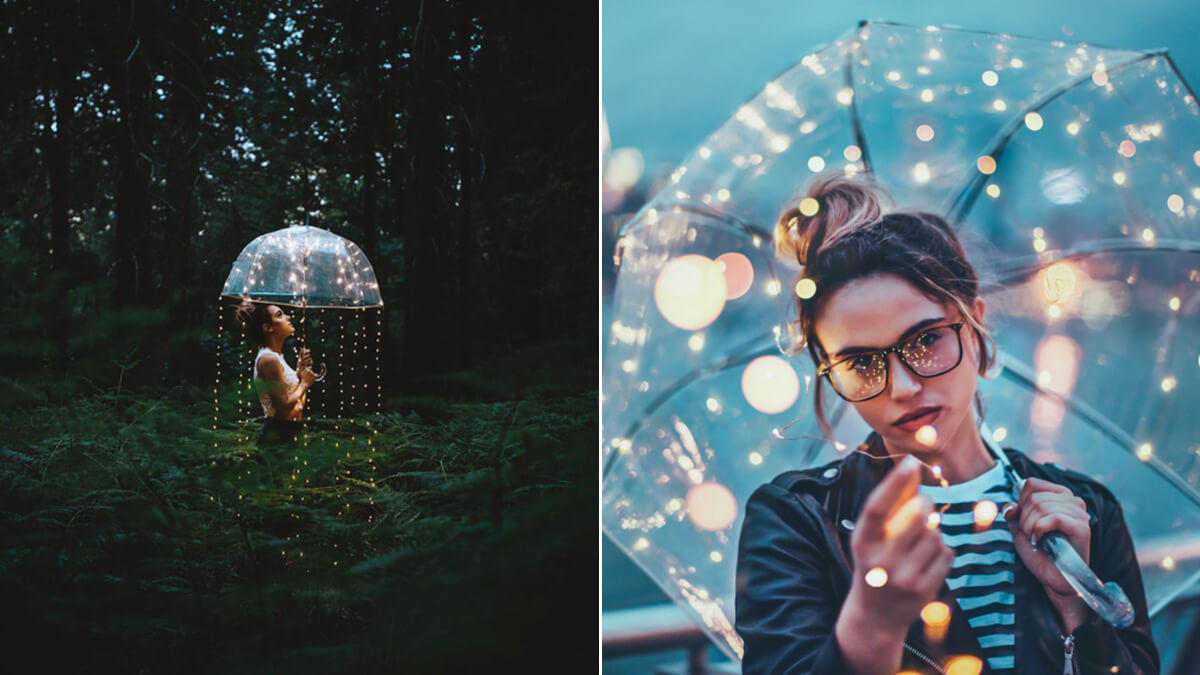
(978, 311)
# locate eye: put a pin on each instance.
(862, 364)
(926, 339)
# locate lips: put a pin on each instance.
(918, 418)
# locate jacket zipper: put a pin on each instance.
(1068, 654)
(924, 658)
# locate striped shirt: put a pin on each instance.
(982, 571)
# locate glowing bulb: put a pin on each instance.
(640, 545)
(920, 172)
(852, 153)
(696, 342)
(927, 435)
(806, 289)
(628, 365)
(1039, 244)
(990, 78)
(1168, 383)
(936, 470)
(993, 191)
(936, 614)
(1174, 304)
(927, 97)
(779, 143)
(1168, 563)
(1043, 378)
(1145, 451)
(715, 556)
(770, 385)
(1033, 121)
(690, 292)
(1100, 78)
(845, 96)
(933, 520)
(816, 164)
(934, 54)
(774, 287)
(809, 206)
(1147, 234)
(964, 665)
(985, 514)
(876, 577)
(925, 132)
(739, 274)
(1016, 63)
(1127, 148)
(1119, 177)
(999, 105)
(756, 458)
(999, 434)
(986, 165)
(723, 195)
(1175, 203)
(711, 506)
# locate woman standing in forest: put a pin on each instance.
(867, 565)
(282, 391)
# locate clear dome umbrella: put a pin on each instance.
(1071, 174)
(322, 275)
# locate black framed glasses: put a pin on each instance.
(931, 352)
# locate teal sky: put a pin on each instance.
(674, 70)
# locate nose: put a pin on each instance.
(903, 382)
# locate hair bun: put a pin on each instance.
(245, 311)
(843, 205)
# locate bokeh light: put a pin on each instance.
(985, 514)
(739, 274)
(770, 385)
(964, 665)
(876, 577)
(690, 292)
(711, 506)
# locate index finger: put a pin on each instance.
(897, 488)
(1033, 485)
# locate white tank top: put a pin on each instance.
(290, 378)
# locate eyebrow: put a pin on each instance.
(912, 329)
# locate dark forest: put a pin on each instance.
(447, 527)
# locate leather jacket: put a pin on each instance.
(794, 571)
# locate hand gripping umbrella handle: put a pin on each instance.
(1107, 599)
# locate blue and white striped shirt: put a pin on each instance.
(984, 559)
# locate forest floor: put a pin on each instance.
(452, 531)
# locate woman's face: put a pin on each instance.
(279, 324)
(878, 311)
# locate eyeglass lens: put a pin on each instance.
(928, 353)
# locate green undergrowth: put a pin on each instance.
(439, 535)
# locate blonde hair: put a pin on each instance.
(851, 236)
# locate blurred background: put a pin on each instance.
(672, 73)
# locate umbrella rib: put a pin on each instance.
(860, 138)
(1022, 374)
(1019, 272)
(969, 193)
(743, 354)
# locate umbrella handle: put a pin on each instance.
(322, 375)
(1107, 599)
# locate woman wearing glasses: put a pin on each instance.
(916, 552)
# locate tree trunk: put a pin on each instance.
(133, 134)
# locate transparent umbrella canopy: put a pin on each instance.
(1071, 173)
(304, 266)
